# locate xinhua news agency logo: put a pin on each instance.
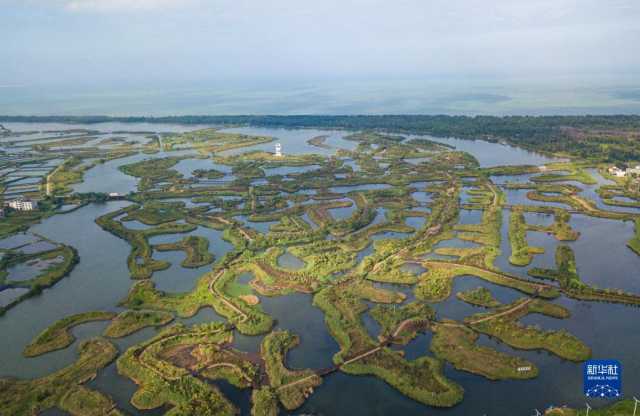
(602, 378)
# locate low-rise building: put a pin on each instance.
(621, 173)
(634, 171)
(23, 204)
(616, 171)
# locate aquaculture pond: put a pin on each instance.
(98, 282)
(31, 269)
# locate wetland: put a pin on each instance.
(180, 270)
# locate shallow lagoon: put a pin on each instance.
(293, 141)
(106, 177)
(492, 154)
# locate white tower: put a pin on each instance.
(278, 150)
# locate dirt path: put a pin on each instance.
(140, 358)
(213, 291)
(401, 326)
(293, 383)
(48, 187)
(399, 329)
(501, 275)
(507, 312)
(584, 204)
(245, 234)
(449, 324)
(361, 356)
(496, 198)
(223, 220)
(231, 366)
(242, 231)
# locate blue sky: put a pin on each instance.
(101, 43)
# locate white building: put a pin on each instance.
(23, 204)
(278, 150)
(616, 171)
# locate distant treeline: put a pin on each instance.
(535, 132)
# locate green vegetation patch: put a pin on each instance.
(152, 171)
(272, 279)
(264, 402)
(69, 172)
(48, 277)
(292, 387)
(140, 261)
(209, 140)
(17, 221)
(573, 174)
(82, 401)
(566, 274)
(429, 145)
(435, 285)
(128, 322)
(155, 213)
(209, 291)
(421, 379)
(521, 252)
(410, 318)
(480, 296)
(162, 382)
(150, 167)
(319, 141)
(502, 324)
(58, 335)
(207, 174)
(59, 389)
(196, 249)
(325, 257)
(457, 345)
